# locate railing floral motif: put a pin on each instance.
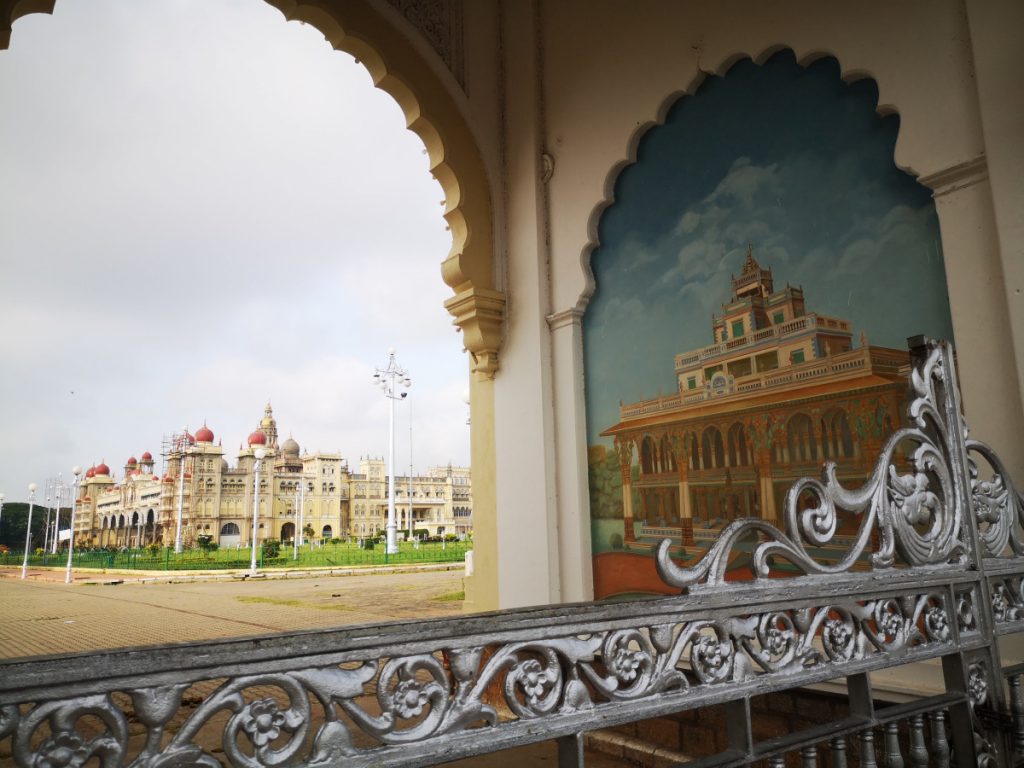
(917, 515)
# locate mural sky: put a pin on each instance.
(791, 160)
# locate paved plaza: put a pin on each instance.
(43, 616)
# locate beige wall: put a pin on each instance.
(583, 82)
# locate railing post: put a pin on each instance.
(570, 751)
(737, 726)
(918, 750)
(1017, 712)
(939, 743)
(837, 750)
(862, 703)
(954, 670)
(893, 756)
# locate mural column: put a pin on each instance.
(764, 484)
(625, 451)
(685, 510)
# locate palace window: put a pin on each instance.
(767, 361)
(737, 328)
(691, 382)
(796, 356)
(779, 318)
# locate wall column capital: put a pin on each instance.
(480, 314)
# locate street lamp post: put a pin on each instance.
(301, 535)
(76, 471)
(259, 453)
(388, 380)
(46, 525)
(28, 529)
(59, 493)
(183, 444)
(1, 506)
(412, 535)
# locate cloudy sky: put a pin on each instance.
(204, 207)
(791, 160)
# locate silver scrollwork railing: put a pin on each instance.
(935, 571)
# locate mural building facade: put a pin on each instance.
(755, 287)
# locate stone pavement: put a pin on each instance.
(43, 617)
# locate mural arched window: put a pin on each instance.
(836, 437)
(668, 458)
(738, 456)
(800, 439)
(229, 529)
(647, 456)
(713, 449)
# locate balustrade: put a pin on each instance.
(935, 572)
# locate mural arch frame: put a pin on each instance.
(849, 75)
(384, 44)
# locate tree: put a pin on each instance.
(13, 520)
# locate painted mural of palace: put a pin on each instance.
(780, 391)
(217, 499)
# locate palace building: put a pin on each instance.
(779, 391)
(217, 499)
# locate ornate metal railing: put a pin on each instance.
(945, 546)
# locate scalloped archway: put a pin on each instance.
(432, 108)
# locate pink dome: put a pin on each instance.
(132, 461)
(257, 438)
(90, 472)
(102, 469)
(147, 457)
(204, 434)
